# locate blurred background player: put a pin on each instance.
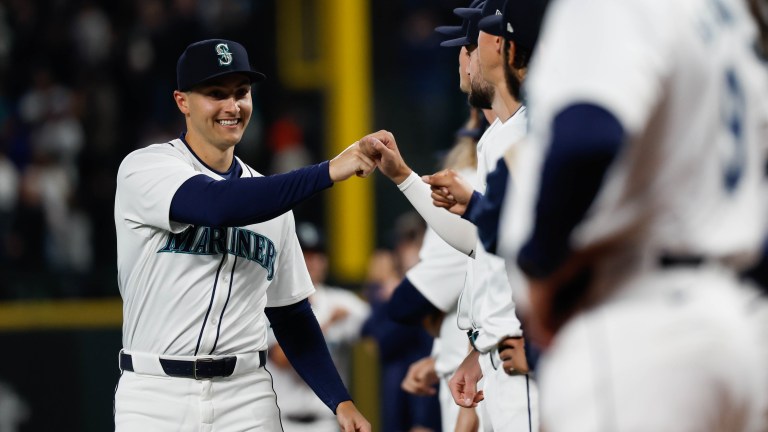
(341, 314)
(399, 345)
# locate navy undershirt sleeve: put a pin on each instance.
(585, 140)
(485, 210)
(202, 200)
(408, 306)
(299, 335)
(472, 205)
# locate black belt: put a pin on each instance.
(307, 418)
(198, 369)
(668, 261)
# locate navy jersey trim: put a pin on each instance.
(226, 174)
(277, 404)
(528, 395)
(229, 293)
(210, 305)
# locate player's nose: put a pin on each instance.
(231, 105)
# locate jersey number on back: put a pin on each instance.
(733, 118)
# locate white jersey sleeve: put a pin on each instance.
(683, 81)
(439, 275)
(630, 40)
(146, 182)
(291, 282)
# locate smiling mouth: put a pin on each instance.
(228, 122)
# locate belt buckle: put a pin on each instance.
(194, 366)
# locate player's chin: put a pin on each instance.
(232, 136)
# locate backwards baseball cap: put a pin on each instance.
(471, 16)
(518, 21)
(213, 58)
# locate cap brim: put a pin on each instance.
(491, 25)
(452, 31)
(252, 75)
(458, 42)
(467, 13)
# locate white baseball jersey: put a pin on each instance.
(195, 290)
(486, 302)
(682, 80)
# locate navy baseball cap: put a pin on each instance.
(213, 58)
(518, 21)
(471, 17)
(451, 31)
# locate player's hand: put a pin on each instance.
(350, 419)
(421, 378)
(352, 161)
(467, 420)
(449, 191)
(512, 355)
(557, 298)
(277, 357)
(382, 147)
(432, 323)
(463, 384)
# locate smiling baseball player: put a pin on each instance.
(207, 251)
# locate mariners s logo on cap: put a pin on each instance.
(225, 57)
(211, 58)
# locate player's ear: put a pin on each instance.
(182, 101)
(510, 47)
(499, 41)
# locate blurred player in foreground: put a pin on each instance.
(649, 119)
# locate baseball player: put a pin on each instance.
(649, 117)
(486, 310)
(207, 251)
(430, 291)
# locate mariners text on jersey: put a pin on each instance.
(202, 240)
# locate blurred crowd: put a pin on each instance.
(84, 82)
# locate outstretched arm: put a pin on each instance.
(202, 200)
(458, 233)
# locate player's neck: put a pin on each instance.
(220, 159)
(504, 105)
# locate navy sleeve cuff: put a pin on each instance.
(472, 206)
